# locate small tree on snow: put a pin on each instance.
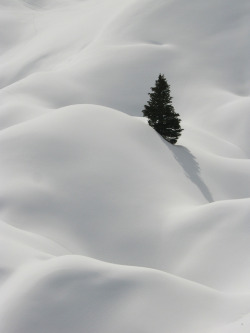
(160, 111)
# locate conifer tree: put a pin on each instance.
(160, 111)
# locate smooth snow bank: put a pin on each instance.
(92, 181)
(98, 173)
(104, 176)
(109, 298)
(104, 226)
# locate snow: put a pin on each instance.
(105, 227)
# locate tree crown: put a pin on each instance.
(160, 111)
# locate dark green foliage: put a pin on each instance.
(160, 111)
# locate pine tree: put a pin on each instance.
(160, 111)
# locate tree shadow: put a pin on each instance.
(191, 168)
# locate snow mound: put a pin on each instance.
(104, 297)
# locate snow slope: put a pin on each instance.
(105, 227)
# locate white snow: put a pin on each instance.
(105, 227)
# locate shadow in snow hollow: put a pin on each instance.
(191, 168)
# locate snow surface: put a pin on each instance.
(105, 227)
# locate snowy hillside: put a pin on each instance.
(105, 227)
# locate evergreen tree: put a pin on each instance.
(160, 111)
